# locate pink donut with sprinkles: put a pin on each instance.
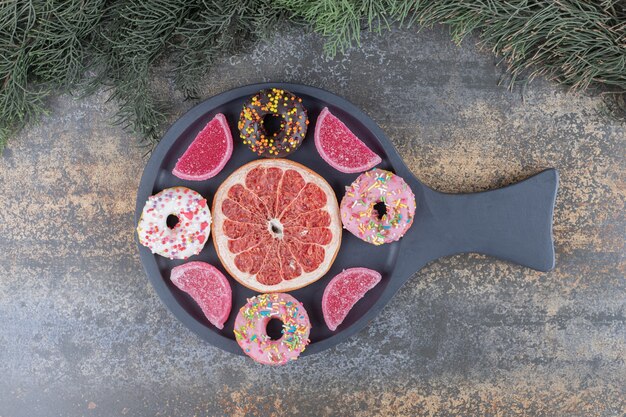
(360, 217)
(188, 236)
(251, 328)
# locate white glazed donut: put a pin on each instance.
(191, 232)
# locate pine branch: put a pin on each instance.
(46, 45)
(216, 28)
(578, 43)
(137, 33)
(42, 45)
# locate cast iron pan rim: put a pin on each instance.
(152, 168)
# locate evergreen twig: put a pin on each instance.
(47, 45)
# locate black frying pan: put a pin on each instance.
(513, 223)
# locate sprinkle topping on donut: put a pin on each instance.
(250, 328)
(358, 212)
(190, 233)
(293, 122)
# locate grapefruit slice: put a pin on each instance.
(208, 153)
(208, 287)
(343, 291)
(276, 225)
(338, 146)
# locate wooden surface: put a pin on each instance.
(83, 333)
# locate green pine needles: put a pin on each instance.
(85, 45)
(42, 48)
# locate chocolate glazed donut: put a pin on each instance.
(286, 112)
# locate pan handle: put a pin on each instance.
(513, 223)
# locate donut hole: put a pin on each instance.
(273, 123)
(274, 328)
(172, 221)
(381, 209)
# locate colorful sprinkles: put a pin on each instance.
(359, 216)
(292, 128)
(250, 328)
(188, 236)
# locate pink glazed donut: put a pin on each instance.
(251, 324)
(359, 216)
